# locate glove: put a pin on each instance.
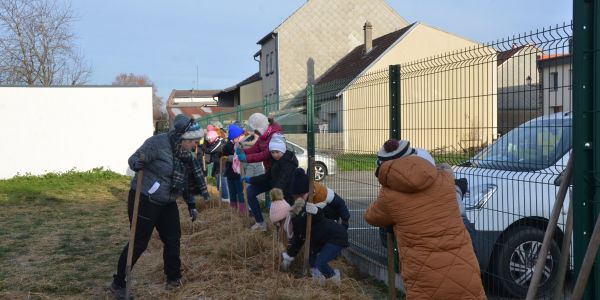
(193, 214)
(286, 260)
(345, 224)
(241, 155)
(206, 197)
(311, 208)
(246, 179)
(138, 165)
(463, 184)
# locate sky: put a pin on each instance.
(207, 44)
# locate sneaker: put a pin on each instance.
(259, 226)
(317, 276)
(117, 291)
(173, 284)
(337, 276)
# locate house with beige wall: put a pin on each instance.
(518, 86)
(314, 38)
(447, 102)
(556, 73)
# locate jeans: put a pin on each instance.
(253, 191)
(321, 260)
(236, 190)
(166, 220)
(471, 230)
(223, 183)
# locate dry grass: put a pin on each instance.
(62, 240)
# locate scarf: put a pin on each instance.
(188, 175)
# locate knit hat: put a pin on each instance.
(211, 127)
(279, 207)
(234, 131)
(211, 136)
(217, 124)
(277, 143)
(187, 127)
(393, 149)
(299, 182)
(259, 122)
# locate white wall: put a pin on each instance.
(55, 129)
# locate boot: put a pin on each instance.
(259, 226)
(337, 276)
(316, 275)
(118, 292)
(233, 205)
(242, 209)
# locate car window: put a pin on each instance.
(529, 147)
(294, 148)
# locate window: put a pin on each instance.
(271, 64)
(554, 80)
(267, 68)
(529, 147)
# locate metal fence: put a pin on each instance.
(498, 113)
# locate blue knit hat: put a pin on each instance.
(234, 131)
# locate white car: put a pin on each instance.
(513, 185)
(324, 165)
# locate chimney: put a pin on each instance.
(368, 29)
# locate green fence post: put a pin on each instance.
(395, 102)
(310, 136)
(586, 135)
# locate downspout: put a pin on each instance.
(277, 69)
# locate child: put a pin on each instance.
(333, 206)
(328, 238)
(234, 182)
(283, 163)
(419, 200)
(279, 213)
(214, 149)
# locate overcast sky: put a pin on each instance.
(170, 40)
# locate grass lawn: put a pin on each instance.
(60, 237)
(367, 162)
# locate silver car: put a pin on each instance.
(324, 165)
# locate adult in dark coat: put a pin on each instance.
(170, 170)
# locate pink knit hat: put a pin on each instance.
(211, 128)
(279, 210)
(211, 136)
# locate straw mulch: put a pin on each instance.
(223, 259)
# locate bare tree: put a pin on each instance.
(37, 46)
(131, 79)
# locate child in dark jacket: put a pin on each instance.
(214, 151)
(328, 238)
(279, 176)
(234, 181)
(333, 206)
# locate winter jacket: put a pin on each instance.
(435, 249)
(229, 151)
(334, 207)
(260, 151)
(213, 155)
(280, 175)
(323, 231)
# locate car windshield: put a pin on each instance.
(532, 146)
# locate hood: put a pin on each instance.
(272, 129)
(409, 174)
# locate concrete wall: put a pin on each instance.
(451, 106)
(56, 129)
(251, 93)
(325, 31)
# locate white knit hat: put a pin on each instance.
(193, 135)
(259, 122)
(277, 143)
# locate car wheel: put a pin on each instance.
(320, 171)
(516, 261)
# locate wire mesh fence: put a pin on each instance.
(499, 113)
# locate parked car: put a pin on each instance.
(513, 186)
(324, 165)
